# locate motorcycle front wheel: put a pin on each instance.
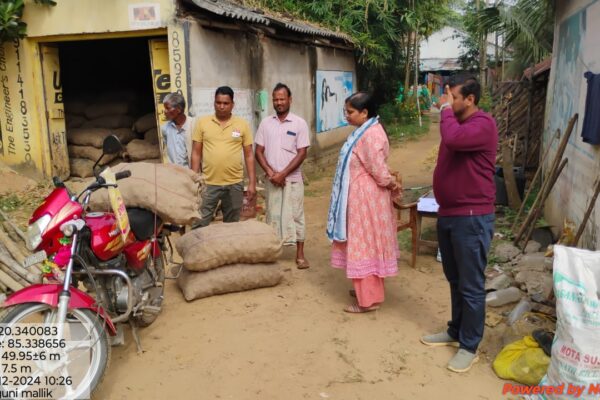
(73, 369)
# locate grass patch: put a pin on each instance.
(405, 237)
(400, 132)
(10, 202)
(405, 240)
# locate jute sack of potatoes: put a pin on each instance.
(98, 110)
(221, 244)
(169, 190)
(88, 136)
(81, 167)
(151, 136)
(141, 150)
(110, 122)
(228, 279)
(75, 107)
(125, 135)
(90, 153)
(74, 121)
(145, 123)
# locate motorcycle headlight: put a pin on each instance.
(35, 231)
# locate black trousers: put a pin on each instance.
(464, 243)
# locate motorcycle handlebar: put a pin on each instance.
(123, 175)
(101, 182)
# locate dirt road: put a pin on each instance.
(294, 342)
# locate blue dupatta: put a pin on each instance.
(338, 205)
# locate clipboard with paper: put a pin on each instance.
(427, 203)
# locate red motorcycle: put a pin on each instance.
(123, 276)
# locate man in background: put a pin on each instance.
(218, 142)
(177, 131)
(282, 141)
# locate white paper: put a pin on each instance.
(427, 204)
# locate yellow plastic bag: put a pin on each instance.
(522, 361)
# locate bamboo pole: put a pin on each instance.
(13, 274)
(13, 225)
(3, 287)
(510, 182)
(551, 172)
(545, 195)
(5, 258)
(533, 180)
(587, 214)
(11, 232)
(11, 246)
(10, 282)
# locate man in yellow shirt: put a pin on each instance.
(218, 141)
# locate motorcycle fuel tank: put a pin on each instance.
(106, 240)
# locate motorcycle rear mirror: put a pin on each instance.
(111, 145)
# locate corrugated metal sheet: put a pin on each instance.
(538, 68)
(440, 64)
(303, 27)
(231, 10)
(236, 11)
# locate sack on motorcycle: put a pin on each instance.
(172, 191)
(228, 279)
(221, 244)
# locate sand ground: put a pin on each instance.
(294, 342)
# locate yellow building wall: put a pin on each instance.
(22, 142)
(74, 17)
(24, 139)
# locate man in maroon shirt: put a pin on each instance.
(463, 183)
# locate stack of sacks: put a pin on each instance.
(171, 191)
(88, 125)
(226, 258)
(74, 114)
(146, 149)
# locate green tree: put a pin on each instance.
(527, 28)
(11, 14)
(385, 33)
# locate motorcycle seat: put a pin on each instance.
(142, 222)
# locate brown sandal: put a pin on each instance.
(355, 309)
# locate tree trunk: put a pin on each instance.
(496, 61)
(407, 65)
(482, 55)
(417, 77)
(415, 56)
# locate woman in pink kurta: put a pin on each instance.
(370, 251)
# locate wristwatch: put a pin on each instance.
(444, 106)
